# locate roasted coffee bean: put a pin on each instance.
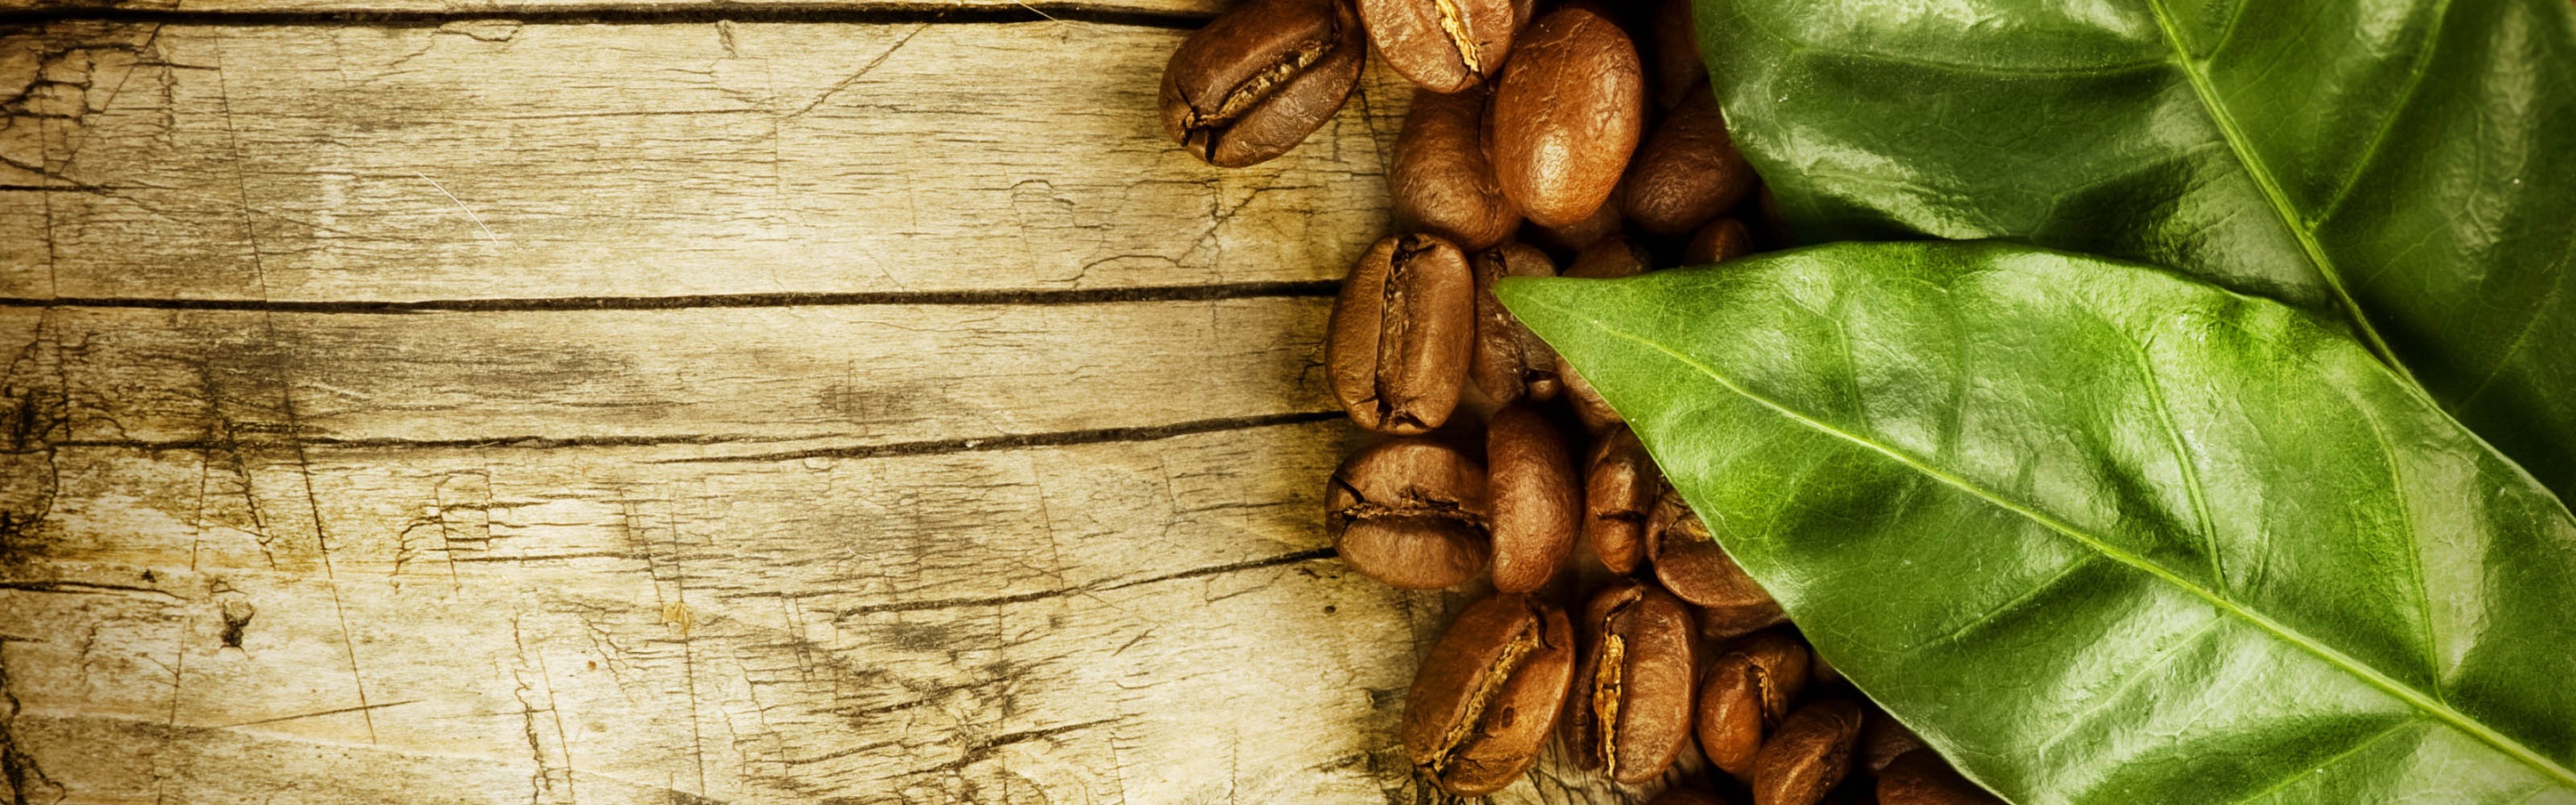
(1411, 513)
(1745, 694)
(1441, 182)
(1255, 82)
(1688, 172)
(1883, 740)
(1619, 486)
(1537, 500)
(1484, 701)
(1808, 755)
(1631, 707)
(1689, 563)
(1678, 68)
(1685, 796)
(1823, 671)
(1401, 335)
(1612, 257)
(1572, 238)
(1442, 45)
(1923, 778)
(1717, 242)
(1511, 363)
(1595, 412)
(1568, 111)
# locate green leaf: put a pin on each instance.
(2409, 165)
(2103, 533)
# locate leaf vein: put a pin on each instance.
(2279, 200)
(2439, 711)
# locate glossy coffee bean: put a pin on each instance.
(1595, 412)
(1718, 241)
(1688, 172)
(1823, 672)
(1537, 498)
(1441, 182)
(1485, 700)
(1401, 335)
(1442, 45)
(1745, 694)
(1923, 778)
(1510, 363)
(1679, 70)
(1631, 705)
(1256, 81)
(1568, 111)
(1620, 483)
(1883, 740)
(1609, 258)
(1808, 755)
(1685, 796)
(1411, 513)
(1571, 238)
(1690, 564)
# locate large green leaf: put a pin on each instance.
(2103, 533)
(2407, 164)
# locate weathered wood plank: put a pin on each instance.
(490, 159)
(1152, 11)
(727, 381)
(1151, 621)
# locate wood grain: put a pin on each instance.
(674, 411)
(495, 160)
(1168, 13)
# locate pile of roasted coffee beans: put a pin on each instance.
(1541, 137)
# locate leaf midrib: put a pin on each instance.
(2429, 706)
(2273, 195)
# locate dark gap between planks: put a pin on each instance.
(610, 14)
(1083, 296)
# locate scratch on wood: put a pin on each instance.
(1040, 595)
(863, 71)
(331, 712)
(85, 588)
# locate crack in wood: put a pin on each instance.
(1040, 595)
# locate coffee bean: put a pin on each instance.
(1568, 111)
(1808, 755)
(1410, 513)
(1401, 335)
(1688, 172)
(1883, 740)
(1265, 74)
(1923, 778)
(1690, 564)
(1678, 68)
(1510, 363)
(1484, 701)
(1745, 694)
(1824, 672)
(1619, 486)
(1718, 241)
(1441, 182)
(1572, 238)
(1685, 796)
(1536, 498)
(1442, 45)
(1595, 412)
(1631, 707)
(1612, 257)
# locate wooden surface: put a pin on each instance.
(673, 410)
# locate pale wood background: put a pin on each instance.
(865, 407)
